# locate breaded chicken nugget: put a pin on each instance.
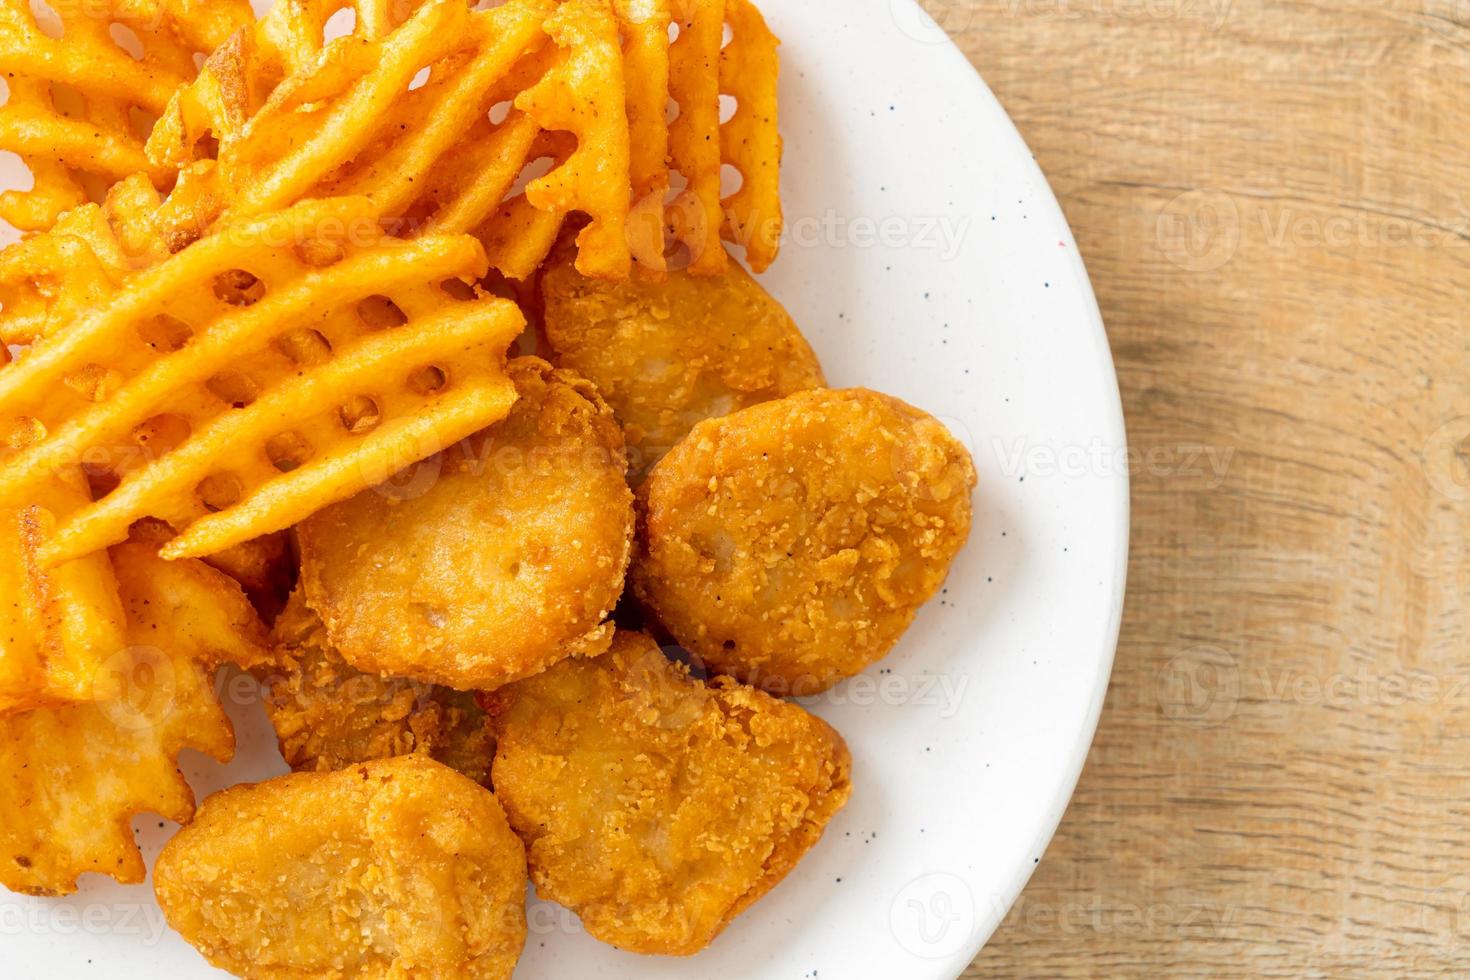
(490, 561)
(397, 868)
(669, 354)
(791, 544)
(655, 806)
(329, 715)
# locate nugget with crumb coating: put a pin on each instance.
(669, 354)
(397, 868)
(490, 561)
(790, 545)
(328, 715)
(655, 806)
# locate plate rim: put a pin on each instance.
(1115, 426)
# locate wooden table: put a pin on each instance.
(1273, 199)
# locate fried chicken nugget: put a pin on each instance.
(329, 715)
(654, 805)
(491, 561)
(399, 868)
(669, 354)
(791, 544)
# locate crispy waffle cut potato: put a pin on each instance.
(645, 32)
(71, 778)
(749, 140)
(55, 278)
(263, 373)
(490, 561)
(694, 136)
(791, 544)
(585, 94)
(396, 868)
(80, 102)
(669, 354)
(589, 81)
(239, 76)
(655, 806)
(58, 626)
(329, 715)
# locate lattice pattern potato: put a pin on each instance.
(271, 369)
(694, 137)
(750, 141)
(56, 277)
(645, 29)
(237, 79)
(71, 778)
(80, 104)
(585, 95)
(57, 625)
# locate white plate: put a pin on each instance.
(928, 259)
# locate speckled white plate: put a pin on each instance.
(928, 259)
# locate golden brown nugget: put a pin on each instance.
(669, 354)
(328, 715)
(791, 544)
(397, 868)
(491, 561)
(655, 806)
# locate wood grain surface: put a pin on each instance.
(1273, 199)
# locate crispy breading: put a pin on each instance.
(397, 868)
(655, 806)
(669, 354)
(72, 778)
(790, 545)
(490, 561)
(328, 715)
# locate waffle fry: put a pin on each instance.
(57, 625)
(237, 79)
(80, 103)
(750, 140)
(645, 29)
(62, 275)
(585, 95)
(71, 778)
(254, 378)
(694, 137)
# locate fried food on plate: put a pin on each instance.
(490, 561)
(669, 354)
(258, 376)
(72, 778)
(396, 868)
(655, 806)
(791, 544)
(329, 715)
